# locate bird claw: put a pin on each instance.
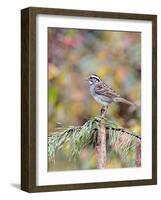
(103, 112)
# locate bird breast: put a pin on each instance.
(99, 98)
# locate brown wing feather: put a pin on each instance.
(103, 89)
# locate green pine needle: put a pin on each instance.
(76, 138)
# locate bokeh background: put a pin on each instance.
(73, 55)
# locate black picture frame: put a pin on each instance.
(28, 98)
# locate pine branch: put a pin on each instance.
(75, 138)
(124, 131)
(101, 155)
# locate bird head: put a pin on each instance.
(93, 79)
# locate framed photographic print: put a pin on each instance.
(88, 99)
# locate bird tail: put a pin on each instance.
(122, 100)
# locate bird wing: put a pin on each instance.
(106, 91)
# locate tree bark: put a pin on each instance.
(101, 142)
(138, 153)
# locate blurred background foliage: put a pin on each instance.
(73, 54)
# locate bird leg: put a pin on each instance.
(103, 111)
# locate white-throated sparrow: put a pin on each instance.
(103, 93)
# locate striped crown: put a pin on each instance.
(94, 76)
